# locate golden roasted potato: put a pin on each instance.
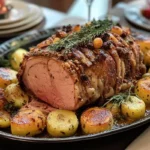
(114, 108)
(144, 45)
(142, 89)
(95, 120)
(4, 119)
(14, 95)
(145, 48)
(133, 108)
(17, 57)
(62, 123)
(2, 99)
(7, 76)
(146, 75)
(2, 104)
(28, 122)
(147, 58)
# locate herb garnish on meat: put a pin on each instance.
(86, 35)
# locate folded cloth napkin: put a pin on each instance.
(142, 142)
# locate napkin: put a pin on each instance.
(142, 142)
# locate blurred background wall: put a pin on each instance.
(62, 5)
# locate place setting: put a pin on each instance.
(18, 16)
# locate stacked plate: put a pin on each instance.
(23, 16)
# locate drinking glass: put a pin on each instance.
(90, 9)
(100, 10)
(89, 5)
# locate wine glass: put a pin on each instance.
(89, 4)
(99, 9)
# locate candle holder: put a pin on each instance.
(4, 11)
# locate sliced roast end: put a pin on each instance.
(47, 79)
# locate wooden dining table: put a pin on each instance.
(118, 141)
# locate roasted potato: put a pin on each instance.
(144, 45)
(133, 108)
(147, 58)
(28, 122)
(7, 76)
(3, 101)
(142, 89)
(15, 95)
(95, 120)
(145, 48)
(114, 108)
(62, 123)
(146, 75)
(4, 119)
(2, 104)
(17, 57)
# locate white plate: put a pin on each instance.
(36, 11)
(133, 14)
(25, 27)
(19, 11)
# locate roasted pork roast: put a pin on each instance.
(67, 71)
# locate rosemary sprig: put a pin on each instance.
(120, 97)
(86, 34)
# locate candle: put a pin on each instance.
(3, 9)
(2, 3)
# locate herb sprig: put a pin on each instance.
(121, 97)
(85, 35)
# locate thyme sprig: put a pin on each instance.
(9, 107)
(85, 35)
(121, 97)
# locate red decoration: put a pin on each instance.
(2, 3)
(146, 12)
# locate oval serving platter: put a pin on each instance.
(31, 39)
